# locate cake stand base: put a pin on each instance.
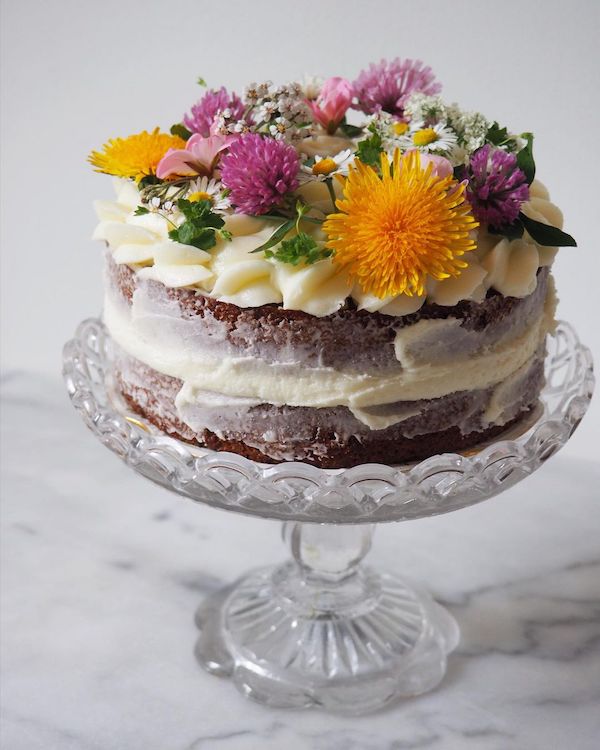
(324, 630)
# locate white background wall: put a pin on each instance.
(75, 73)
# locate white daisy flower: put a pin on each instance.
(437, 138)
(326, 166)
(209, 190)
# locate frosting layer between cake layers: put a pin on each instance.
(346, 388)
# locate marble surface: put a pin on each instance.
(102, 572)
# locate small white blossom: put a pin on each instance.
(311, 87)
(426, 109)
(266, 111)
(279, 127)
(241, 126)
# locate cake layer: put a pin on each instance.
(348, 340)
(426, 358)
(330, 437)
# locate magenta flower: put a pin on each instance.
(259, 172)
(332, 103)
(204, 112)
(387, 85)
(496, 186)
(199, 157)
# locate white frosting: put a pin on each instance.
(232, 273)
(166, 346)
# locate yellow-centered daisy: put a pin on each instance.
(394, 230)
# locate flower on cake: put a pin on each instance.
(204, 112)
(199, 157)
(332, 103)
(311, 87)
(280, 112)
(388, 84)
(405, 186)
(440, 166)
(259, 172)
(395, 230)
(211, 190)
(496, 186)
(136, 156)
(434, 138)
(325, 167)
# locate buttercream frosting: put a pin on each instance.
(231, 272)
(137, 331)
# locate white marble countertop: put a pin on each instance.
(103, 571)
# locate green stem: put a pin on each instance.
(332, 195)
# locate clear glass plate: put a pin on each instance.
(324, 629)
(297, 491)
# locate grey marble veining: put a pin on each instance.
(102, 572)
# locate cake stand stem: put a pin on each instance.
(324, 629)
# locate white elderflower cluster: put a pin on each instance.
(226, 124)
(426, 109)
(470, 127)
(282, 112)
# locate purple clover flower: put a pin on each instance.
(204, 112)
(259, 172)
(496, 187)
(388, 84)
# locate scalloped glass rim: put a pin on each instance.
(295, 491)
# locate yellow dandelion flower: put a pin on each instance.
(135, 156)
(394, 231)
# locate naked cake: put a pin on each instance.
(332, 272)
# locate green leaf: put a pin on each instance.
(180, 130)
(351, 131)
(299, 249)
(200, 213)
(546, 235)
(511, 231)
(369, 149)
(140, 211)
(497, 135)
(200, 224)
(277, 235)
(201, 82)
(525, 158)
(149, 179)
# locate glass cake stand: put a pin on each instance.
(324, 629)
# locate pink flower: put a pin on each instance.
(332, 103)
(388, 84)
(441, 166)
(260, 173)
(199, 157)
(212, 103)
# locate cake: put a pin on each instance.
(335, 272)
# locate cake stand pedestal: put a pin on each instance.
(324, 629)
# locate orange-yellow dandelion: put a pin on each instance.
(394, 230)
(135, 156)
